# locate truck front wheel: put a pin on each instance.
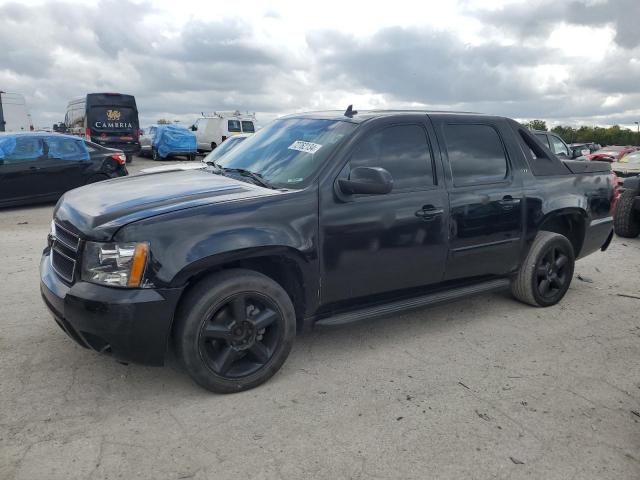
(626, 222)
(234, 330)
(545, 275)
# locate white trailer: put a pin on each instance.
(14, 116)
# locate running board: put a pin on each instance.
(369, 313)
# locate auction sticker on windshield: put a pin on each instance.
(307, 147)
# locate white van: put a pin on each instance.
(14, 116)
(211, 130)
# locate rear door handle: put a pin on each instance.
(429, 213)
(508, 202)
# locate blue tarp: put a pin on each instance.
(173, 139)
(31, 146)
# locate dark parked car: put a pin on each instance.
(627, 218)
(318, 219)
(581, 149)
(557, 145)
(40, 167)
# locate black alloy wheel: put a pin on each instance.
(551, 273)
(546, 272)
(241, 335)
(234, 329)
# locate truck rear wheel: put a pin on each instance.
(545, 275)
(234, 330)
(626, 222)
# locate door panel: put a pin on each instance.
(382, 243)
(486, 201)
(21, 175)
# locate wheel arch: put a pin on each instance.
(285, 265)
(570, 222)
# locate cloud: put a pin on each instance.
(176, 69)
(538, 18)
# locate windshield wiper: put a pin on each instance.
(256, 177)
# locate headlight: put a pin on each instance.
(115, 264)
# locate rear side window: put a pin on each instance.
(233, 126)
(403, 150)
(248, 127)
(476, 154)
(67, 149)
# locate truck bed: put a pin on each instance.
(582, 166)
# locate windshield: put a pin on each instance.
(287, 152)
(226, 146)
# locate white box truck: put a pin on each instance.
(14, 116)
(213, 129)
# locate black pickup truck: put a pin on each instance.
(318, 219)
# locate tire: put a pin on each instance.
(626, 221)
(213, 146)
(129, 158)
(155, 155)
(548, 268)
(217, 334)
(99, 177)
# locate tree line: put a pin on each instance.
(615, 135)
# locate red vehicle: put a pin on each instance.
(612, 153)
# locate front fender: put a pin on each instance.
(184, 242)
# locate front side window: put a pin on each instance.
(288, 152)
(20, 149)
(248, 127)
(476, 154)
(402, 150)
(233, 126)
(558, 147)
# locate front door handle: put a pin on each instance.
(428, 213)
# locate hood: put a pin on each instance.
(98, 210)
(175, 167)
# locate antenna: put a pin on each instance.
(350, 112)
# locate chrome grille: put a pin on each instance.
(64, 252)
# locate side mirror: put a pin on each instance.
(576, 153)
(193, 128)
(367, 180)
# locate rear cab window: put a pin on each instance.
(543, 138)
(248, 126)
(476, 154)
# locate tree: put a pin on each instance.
(163, 121)
(536, 125)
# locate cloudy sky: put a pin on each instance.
(565, 61)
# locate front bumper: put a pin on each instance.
(132, 325)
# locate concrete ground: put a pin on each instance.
(482, 388)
